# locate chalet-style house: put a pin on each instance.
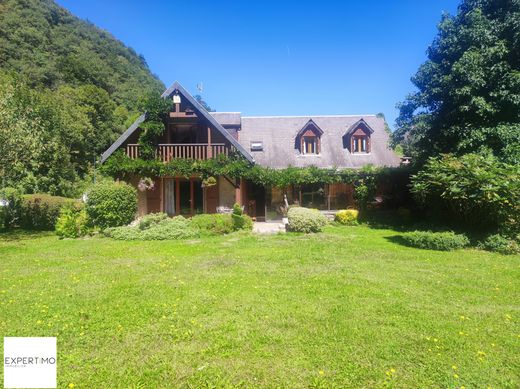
(342, 141)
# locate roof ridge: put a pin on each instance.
(312, 116)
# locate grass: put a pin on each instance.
(345, 308)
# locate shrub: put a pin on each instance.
(10, 207)
(240, 221)
(151, 219)
(477, 190)
(347, 217)
(111, 204)
(217, 223)
(444, 241)
(305, 220)
(500, 244)
(72, 223)
(41, 211)
(166, 229)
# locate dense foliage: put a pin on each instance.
(32, 212)
(305, 220)
(348, 217)
(476, 190)
(442, 241)
(51, 47)
(501, 244)
(11, 200)
(468, 91)
(75, 90)
(111, 204)
(72, 223)
(41, 211)
(156, 109)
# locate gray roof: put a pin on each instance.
(277, 133)
(227, 118)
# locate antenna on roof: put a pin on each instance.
(200, 87)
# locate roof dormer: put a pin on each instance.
(308, 139)
(357, 138)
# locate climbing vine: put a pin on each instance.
(156, 111)
(119, 165)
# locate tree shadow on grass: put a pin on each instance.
(19, 234)
(397, 239)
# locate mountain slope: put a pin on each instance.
(67, 90)
(50, 46)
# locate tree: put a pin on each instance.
(468, 91)
(202, 102)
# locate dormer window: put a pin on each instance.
(360, 144)
(357, 138)
(309, 145)
(308, 139)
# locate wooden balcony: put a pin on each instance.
(198, 151)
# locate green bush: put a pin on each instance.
(218, 224)
(478, 191)
(305, 220)
(41, 211)
(111, 204)
(443, 241)
(347, 217)
(10, 207)
(151, 219)
(72, 223)
(241, 221)
(166, 229)
(500, 244)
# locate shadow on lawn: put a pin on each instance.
(390, 219)
(19, 234)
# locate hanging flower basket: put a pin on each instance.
(146, 183)
(210, 181)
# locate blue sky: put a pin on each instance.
(275, 57)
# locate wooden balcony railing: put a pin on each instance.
(167, 152)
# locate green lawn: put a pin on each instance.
(345, 308)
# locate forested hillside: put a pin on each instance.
(67, 89)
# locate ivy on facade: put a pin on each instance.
(119, 165)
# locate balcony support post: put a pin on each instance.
(238, 191)
(210, 151)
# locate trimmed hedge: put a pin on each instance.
(111, 204)
(41, 211)
(305, 220)
(443, 241)
(218, 224)
(348, 217)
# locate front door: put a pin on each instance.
(183, 196)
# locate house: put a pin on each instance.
(342, 141)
